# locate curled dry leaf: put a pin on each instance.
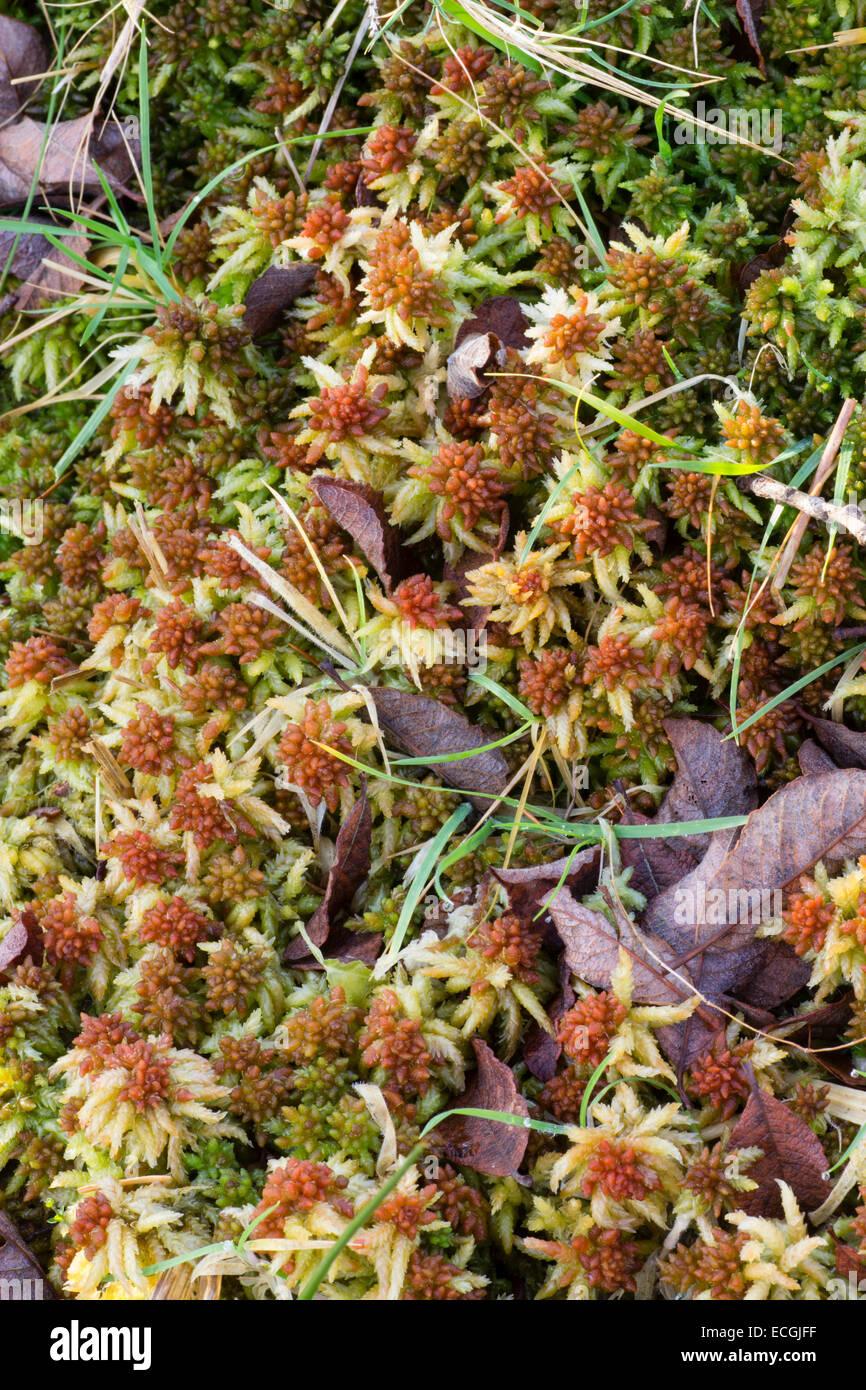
(23, 939)
(30, 251)
(67, 163)
(17, 1262)
(529, 889)
(750, 12)
(541, 1051)
(818, 817)
(349, 870)
(813, 758)
(714, 778)
(791, 1153)
(423, 727)
(846, 747)
(488, 1146)
(360, 510)
(22, 52)
(482, 342)
(272, 293)
(591, 949)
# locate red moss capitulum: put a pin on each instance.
(471, 487)
(430, 1278)
(298, 1185)
(325, 225)
(346, 412)
(319, 775)
(397, 280)
(148, 743)
(70, 939)
(618, 1171)
(603, 518)
(207, 818)
(395, 1044)
(141, 859)
(585, 1031)
(609, 1259)
(38, 659)
(547, 681)
(177, 925)
(533, 191)
(616, 663)
(514, 942)
(89, 1230)
(409, 1211)
(807, 918)
(326, 1028)
(245, 631)
(421, 606)
(719, 1079)
(387, 151)
(177, 633)
(112, 1044)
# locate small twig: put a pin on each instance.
(335, 94)
(822, 473)
(849, 517)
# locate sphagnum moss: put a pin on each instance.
(209, 836)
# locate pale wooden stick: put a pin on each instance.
(822, 473)
(849, 517)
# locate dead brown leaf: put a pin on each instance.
(40, 281)
(846, 747)
(24, 938)
(18, 1262)
(713, 778)
(592, 945)
(750, 12)
(69, 158)
(482, 342)
(422, 727)
(360, 510)
(272, 293)
(812, 758)
(822, 816)
(792, 1153)
(349, 870)
(22, 52)
(488, 1146)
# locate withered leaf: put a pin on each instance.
(359, 509)
(481, 343)
(750, 12)
(40, 281)
(22, 52)
(272, 293)
(468, 363)
(349, 870)
(812, 758)
(502, 315)
(423, 727)
(529, 888)
(592, 945)
(488, 1146)
(18, 1262)
(656, 864)
(822, 816)
(778, 975)
(846, 747)
(68, 161)
(23, 939)
(791, 1152)
(713, 778)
